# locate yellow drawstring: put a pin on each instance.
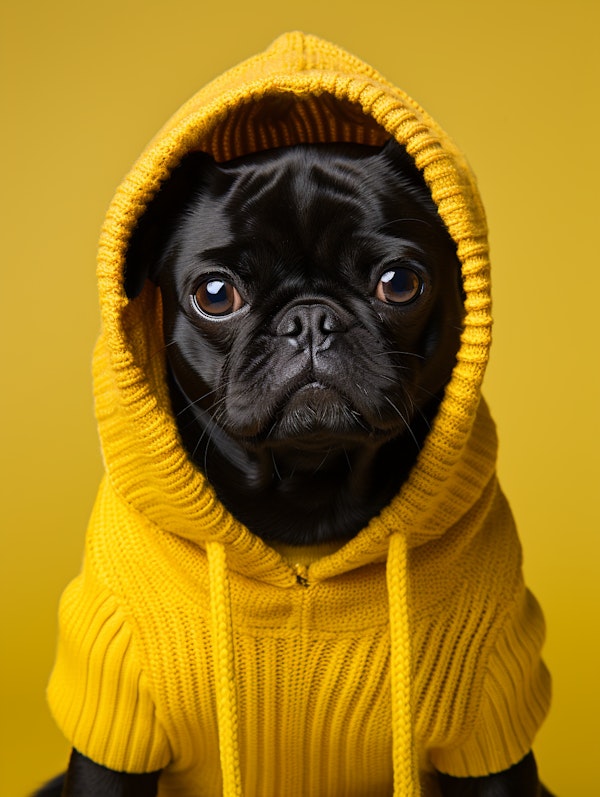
(406, 770)
(227, 715)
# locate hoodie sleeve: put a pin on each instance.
(514, 700)
(98, 693)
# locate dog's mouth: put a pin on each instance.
(317, 415)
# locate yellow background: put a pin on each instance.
(514, 82)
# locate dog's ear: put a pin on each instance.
(403, 162)
(410, 179)
(149, 238)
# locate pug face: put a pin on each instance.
(312, 314)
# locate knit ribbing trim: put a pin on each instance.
(225, 684)
(514, 699)
(97, 656)
(406, 771)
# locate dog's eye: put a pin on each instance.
(217, 297)
(399, 286)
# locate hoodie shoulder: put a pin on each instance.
(96, 656)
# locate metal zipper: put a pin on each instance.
(301, 572)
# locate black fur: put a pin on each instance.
(85, 778)
(307, 405)
(315, 386)
(521, 780)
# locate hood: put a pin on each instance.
(300, 90)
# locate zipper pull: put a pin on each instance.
(301, 575)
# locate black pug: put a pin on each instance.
(304, 372)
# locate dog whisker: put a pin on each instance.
(275, 468)
(405, 421)
(389, 353)
(404, 220)
(322, 462)
(197, 401)
(346, 455)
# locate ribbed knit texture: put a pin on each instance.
(189, 644)
(225, 681)
(404, 751)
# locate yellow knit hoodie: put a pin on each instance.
(189, 644)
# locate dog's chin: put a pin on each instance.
(318, 418)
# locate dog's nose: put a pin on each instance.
(310, 326)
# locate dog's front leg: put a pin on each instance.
(521, 780)
(84, 778)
